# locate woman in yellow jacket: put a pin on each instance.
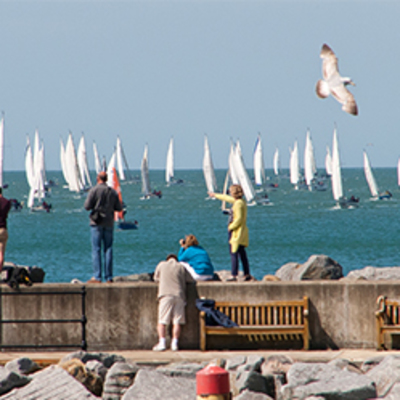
(238, 231)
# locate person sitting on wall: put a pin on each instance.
(195, 259)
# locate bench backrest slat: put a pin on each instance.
(271, 313)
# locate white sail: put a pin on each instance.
(1, 150)
(276, 162)
(29, 171)
(231, 163)
(83, 163)
(369, 176)
(97, 162)
(243, 177)
(122, 164)
(146, 190)
(63, 161)
(294, 166)
(71, 162)
(40, 174)
(258, 163)
(208, 168)
(169, 167)
(36, 145)
(309, 161)
(336, 174)
(328, 161)
(110, 167)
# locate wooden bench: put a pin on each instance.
(278, 319)
(387, 319)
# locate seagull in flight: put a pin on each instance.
(333, 83)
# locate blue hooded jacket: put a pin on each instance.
(197, 258)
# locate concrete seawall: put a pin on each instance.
(123, 316)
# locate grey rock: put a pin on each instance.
(97, 367)
(234, 362)
(315, 268)
(118, 379)
(182, 369)
(394, 393)
(255, 382)
(315, 398)
(144, 277)
(248, 395)
(347, 365)
(156, 386)
(105, 358)
(385, 374)
(253, 363)
(23, 366)
(219, 362)
(51, 383)
(374, 274)
(327, 381)
(371, 363)
(10, 380)
(276, 364)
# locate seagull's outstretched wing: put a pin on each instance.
(343, 96)
(329, 63)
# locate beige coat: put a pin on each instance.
(238, 227)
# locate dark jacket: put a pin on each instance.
(105, 197)
(5, 206)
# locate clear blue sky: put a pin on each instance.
(149, 70)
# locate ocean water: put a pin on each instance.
(294, 226)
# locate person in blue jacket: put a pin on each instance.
(195, 259)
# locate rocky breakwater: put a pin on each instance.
(84, 375)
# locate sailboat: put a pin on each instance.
(328, 162)
(258, 166)
(169, 166)
(144, 170)
(276, 162)
(97, 162)
(35, 177)
(122, 163)
(208, 168)
(373, 186)
(336, 177)
(71, 166)
(294, 166)
(83, 164)
(119, 216)
(309, 162)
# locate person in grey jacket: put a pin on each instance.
(102, 200)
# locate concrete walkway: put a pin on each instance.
(148, 357)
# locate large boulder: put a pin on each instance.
(52, 382)
(150, 384)
(22, 366)
(375, 274)
(327, 381)
(315, 268)
(105, 358)
(181, 369)
(118, 379)
(386, 374)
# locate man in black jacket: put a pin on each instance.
(103, 201)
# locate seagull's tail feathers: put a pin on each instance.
(322, 89)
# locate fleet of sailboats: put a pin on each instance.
(75, 170)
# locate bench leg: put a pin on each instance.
(203, 343)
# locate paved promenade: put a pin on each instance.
(149, 357)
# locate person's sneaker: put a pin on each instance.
(174, 346)
(159, 347)
(232, 279)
